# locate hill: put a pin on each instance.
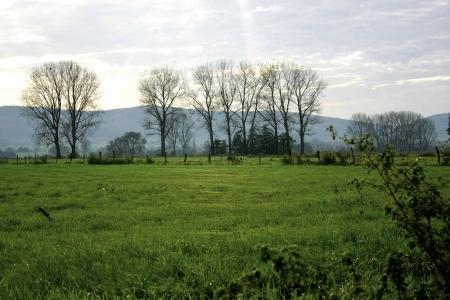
(15, 130)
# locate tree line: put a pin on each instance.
(406, 130)
(260, 105)
(281, 96)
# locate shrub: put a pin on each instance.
(301, 159)
(423, 218)
(291, 276)
(327, 158)
(237, 160)
(445, 152)
(342, 157)
(94, 160)
(427, 154)
(41, 160)
(287, 160)
(150, 160)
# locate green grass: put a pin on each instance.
(174, 230)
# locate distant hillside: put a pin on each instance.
(441, 122)
(15, 131)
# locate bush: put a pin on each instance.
(301, 159)
(291, 276)
(287, 160)
(94, 160)
(422, 216)
(40, 160)
(237, 160)
(445, 152)
(327, 158)
(150, 160)
(342, 157)
(428, 154)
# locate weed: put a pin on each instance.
(287, 160)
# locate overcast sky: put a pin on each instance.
(377, 56)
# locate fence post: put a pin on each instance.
(84, 157)
(185, 157)
(17, 158)
(25, 159)
(114, 155)
(318, 155)
(439, 155)
(70, 157)
(100, 155)
(165, 157)
(259, 159)
(35, 157)
(209, 157)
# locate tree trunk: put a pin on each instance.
(288, 142)
(57, 147)
(228, 132)
(302, 143)
(163, 145)
(276, 140)
(244, 141)
(211, 138)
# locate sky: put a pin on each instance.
(377, 56)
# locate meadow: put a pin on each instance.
(180, 230)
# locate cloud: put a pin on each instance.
(372, 53)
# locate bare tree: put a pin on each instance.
(276, 103)
(206, 104)
(406, 130)
(61, 100)
(172, 138)
(42, 104)
(160, 89)
(306, 89)
(185, 125)
(227, 90)
(268, 108)
(359, 124)
(426, 133)
(376, 130)
(82, 114)
(249, 87)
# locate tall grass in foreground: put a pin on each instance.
(176, 231)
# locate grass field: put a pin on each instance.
(178, 230)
